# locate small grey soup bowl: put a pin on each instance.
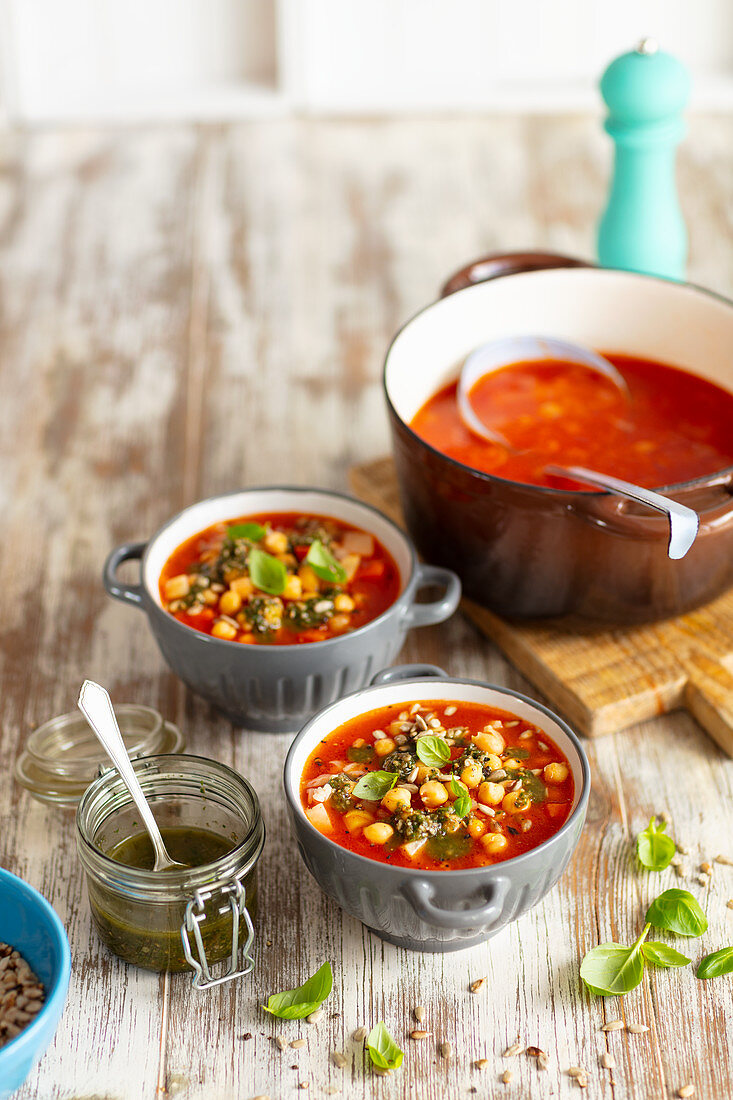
(434, 910)
(276, 688)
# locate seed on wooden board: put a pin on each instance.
(582, 1081)
(613, 1025)
(475, 986)
(314, 1017)
(338, 1059)
(682, 848)
(419, 1014)
(298, 1044)
(304, 1085)
(681, 870)
(482, 1063)
(676, 861)
(727, 860)
(703, 879)
(729, 903)
(507, 1076)
(281, 1042)
(637, 1029)
(686, 1090)
(608, 1061)
(418, 1034)
(264, 1096)
(706, 868)
(360, 1034)
(576, 1071)
(446, 1050)
(515, 1048)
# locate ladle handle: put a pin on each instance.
(96, 706)
(683, 521)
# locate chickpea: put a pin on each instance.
(220, 629)
(384, 746)
(276, 542)
(339, 622)
(378, 833)
(242, 586)
(344, 602)
(472, 774)
(555, 773)
(490, 794)
(423, 771)
(489, 741)
(230, 603)
(511, 763)
(356, 820)
(516, 802)
(476, 827)
(397, 799)
(494, 762)
(494, 843)
(308, 579)
(433, 793)
(293, 589)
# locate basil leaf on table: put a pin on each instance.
(266, 573)
(255, 532)
(653, 847)
(432, 750)
(462, 803)
(720, 962)
(612, 969)
(383, 1050)
(374, 785)
(324, 564)
(677, 911)
(659, 954)
(294, 1004)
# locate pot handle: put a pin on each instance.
(427, 614)
(406, 672)
(127, 593)
(498, 264)
(420, 893)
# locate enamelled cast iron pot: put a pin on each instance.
(528, 551)
(275, 688)
(434, 910)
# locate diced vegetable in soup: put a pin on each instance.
(437, 785)
(279, 579)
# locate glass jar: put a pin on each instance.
(62, 757)
(174, 920)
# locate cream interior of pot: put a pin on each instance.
(611, 311)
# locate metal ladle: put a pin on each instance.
(96, 706)
(684, 523)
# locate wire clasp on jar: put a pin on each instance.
(195, 915)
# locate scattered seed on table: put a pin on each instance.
(576, 1071)
(360, 1034)
(676, 861)
(613, 1025)
(686, 1090)
(331, 1091)
(542, 1058)
(482, 1063)
(703, 879)
(418, 1034)
(582, 1080)
(304, 1085)
(298, 1043)
(262, 1097)
(475, 986)
(637, 1029)
(681, 848)
(608, 1061)
(507, 1076)
(314, 1017)
(729, 903)
(446, 1050)
(281, 1042)
(338, 1059)
(515, 1048)
(681, 870)
(706, 867)
(419, 1014)
(724, 859)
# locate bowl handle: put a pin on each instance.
(127, 593)
(406, 672)
(498, 264)
(420, 893)
(426, 614)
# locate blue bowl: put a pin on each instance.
(31, 926)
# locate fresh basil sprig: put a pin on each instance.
(659, 954)
(294, 1004)
(720, 962)
(383, 1050)
(432, 750)
(653, 847)
(462, 804)
(324, 564)
(612, 969)
(266, 573)
(677, 911)
(255, 532)
(374, 785)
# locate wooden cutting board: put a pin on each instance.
(604, 680)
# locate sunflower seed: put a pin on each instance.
(360, 1034)
(686, 1090)
(338, 1059)
(446, 1051)
(482, 1063)
(637, 1029)
(507, 1076)
(727, 860)
(281, 1042)
(419, 1014)
(419, 1034)
(576, 1071)
(608, 1061)
(314, 1017)
(449, 710)
(706, 867)
(613, 1025)
(515, 1048)
(475, 986)
(298, 1044)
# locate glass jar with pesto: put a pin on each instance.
(174, 920)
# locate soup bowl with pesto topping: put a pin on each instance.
(436, 810)
(273, 602)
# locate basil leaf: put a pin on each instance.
(653, 847)
(266, 572)
(374, 785)
(612, 969)
(432, 750)
(720, 962)
(677, 911)
(383, 1050)
(255, 532)
(659, 954)
(462, 804)
(294, 1004)
(324, 564)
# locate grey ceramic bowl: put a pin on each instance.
(276, 688)
(434, 910)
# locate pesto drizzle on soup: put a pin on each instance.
(279, 579)
(437, 785)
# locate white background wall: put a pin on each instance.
(75, 60)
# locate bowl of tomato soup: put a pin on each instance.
(436, 810)
(527, 542)
(272, 602)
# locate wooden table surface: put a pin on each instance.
(189, 310)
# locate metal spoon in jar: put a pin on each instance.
(683, 522)
(96, 706)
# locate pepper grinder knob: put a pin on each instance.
(642, 228)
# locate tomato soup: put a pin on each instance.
(279, 579)
(437, 785)
(672, 427)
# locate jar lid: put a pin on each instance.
(62, 757)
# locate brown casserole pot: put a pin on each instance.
(527, 551)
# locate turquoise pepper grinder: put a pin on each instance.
(642, 228)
